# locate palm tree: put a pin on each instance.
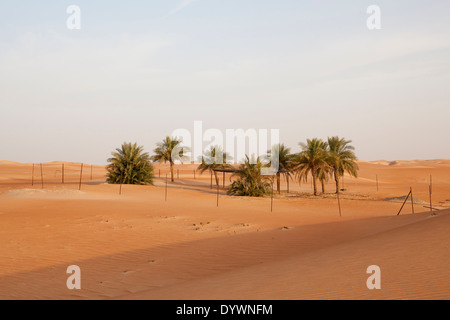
(342, 159)
(312, 158)
(169, 150)
(130, 165)
(250, 181)
(284, 162)
(323, 174)
(212, 159)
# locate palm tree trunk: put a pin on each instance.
(287, 182)
(314, 176)
(336, 179)
(171, 171)
(278, 183)
(322, 181)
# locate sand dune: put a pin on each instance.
(328, 262)
(138, 246)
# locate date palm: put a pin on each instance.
(284, 162)
(341, 159)
(214, 158)
(323, 174)
(130, 165)
(250, 181)
(313, 157)
(169, 150)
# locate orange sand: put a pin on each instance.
(137, 246)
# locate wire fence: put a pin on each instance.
(40, 175)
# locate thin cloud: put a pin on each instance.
(181, 6)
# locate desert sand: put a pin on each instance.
(136, 245)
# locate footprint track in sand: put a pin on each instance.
(125, 272)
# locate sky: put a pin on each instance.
(137, 70)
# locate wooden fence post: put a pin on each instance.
(404, 203)
(42, 178)
(217, 195)
(165, 191)
(81, 175)
(431, 205)
(271, 196)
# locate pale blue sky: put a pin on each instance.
(137, 70)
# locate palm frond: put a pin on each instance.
(130, 165)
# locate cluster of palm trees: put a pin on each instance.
(322, 160)
(130, 165)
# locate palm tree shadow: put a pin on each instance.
(188, 185)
